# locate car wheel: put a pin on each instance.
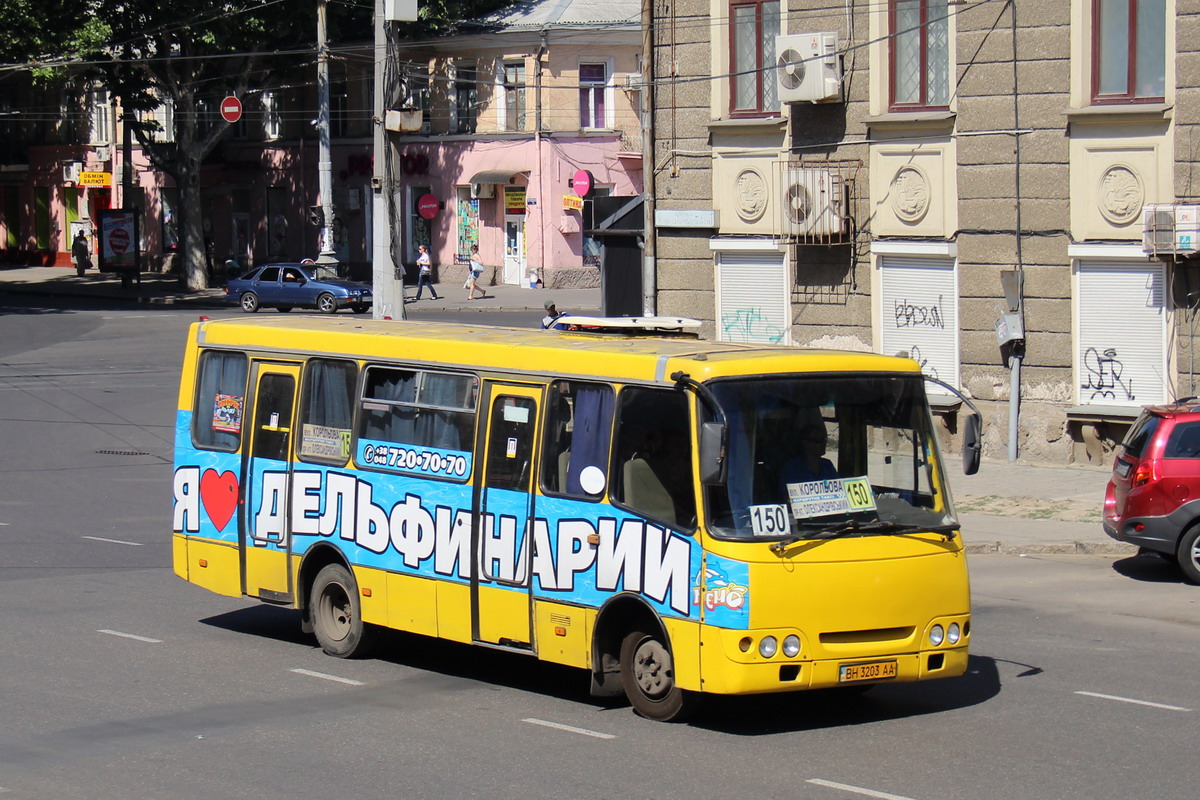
(1188, 554)
(249, 302)
(326, 303)
(359, 308)
(284, 309)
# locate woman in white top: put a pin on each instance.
(476, 270)
(425, 272)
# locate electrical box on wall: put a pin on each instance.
(808, 68)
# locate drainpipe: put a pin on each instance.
(650, 239)
(541, 190)
(1014, 388)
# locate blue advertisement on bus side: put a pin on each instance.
(575, 551)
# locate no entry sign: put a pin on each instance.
(231, 109)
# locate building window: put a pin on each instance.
(339, 110)
(160, 121)
(272, 122)
(919, 54)
(466, 93)
(99, 117)
(593, 82)
(514, 97)
(1128, 50)
(753, 27)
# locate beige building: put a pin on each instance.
(875, 175)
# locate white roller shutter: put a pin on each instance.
(920, 314)
(1121, 353)
(753, 298)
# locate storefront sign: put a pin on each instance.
(572, 203)
(428, 206)
(583, 182)
(95, 179)
(514, 200)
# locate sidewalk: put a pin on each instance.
(157, 288)
(1005, 508)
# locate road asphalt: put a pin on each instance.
(1007, 507)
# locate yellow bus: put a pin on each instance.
(674, 516)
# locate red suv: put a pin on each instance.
(1153, 497)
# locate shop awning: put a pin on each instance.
(497, 176)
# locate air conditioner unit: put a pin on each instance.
(807, 67)
(1170, 228)
(482, 191)
(633, 80)
(71, 170)
(813, 203)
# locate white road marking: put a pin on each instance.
(323, 676)
(845, 787)
(112, 541)
(568, 728)
(130, 636)
(1131, 700)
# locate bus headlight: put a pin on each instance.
(954, 633)
(768, 646)
(791, 646)
(936, 635)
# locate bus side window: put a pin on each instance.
(654, 456)
(220, 407)
(578, 432)
(422, 409)
(327, 410)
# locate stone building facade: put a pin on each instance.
(920, 176)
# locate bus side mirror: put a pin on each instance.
(712, 454)
(972, 443)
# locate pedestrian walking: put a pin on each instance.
(425, 273)
(81, 253)
(476, 269)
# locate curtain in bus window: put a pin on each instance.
(328, 411)
(591, 435)
(220, 401)
(395, 423)
(440, 427)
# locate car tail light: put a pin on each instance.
(1144, 473)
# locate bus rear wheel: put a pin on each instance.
(337, 615)
(648, 678)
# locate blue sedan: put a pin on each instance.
(286, 286)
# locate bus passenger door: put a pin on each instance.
(502, 541)
(266, 479)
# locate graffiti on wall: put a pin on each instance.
(913, 315)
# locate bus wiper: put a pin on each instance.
(854, 526)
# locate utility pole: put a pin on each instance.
(325, 163)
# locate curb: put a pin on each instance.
(1071, 549)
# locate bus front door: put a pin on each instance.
(266, 478)
(502, 541)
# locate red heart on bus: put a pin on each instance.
(219, 493)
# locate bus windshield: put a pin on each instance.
(819, 456)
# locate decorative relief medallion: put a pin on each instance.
(1121, 194)
(910, 194)
(750, 195)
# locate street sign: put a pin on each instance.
(231, 109)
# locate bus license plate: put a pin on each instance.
(875, 671)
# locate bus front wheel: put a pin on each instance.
(336, 614)
(648, 677)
